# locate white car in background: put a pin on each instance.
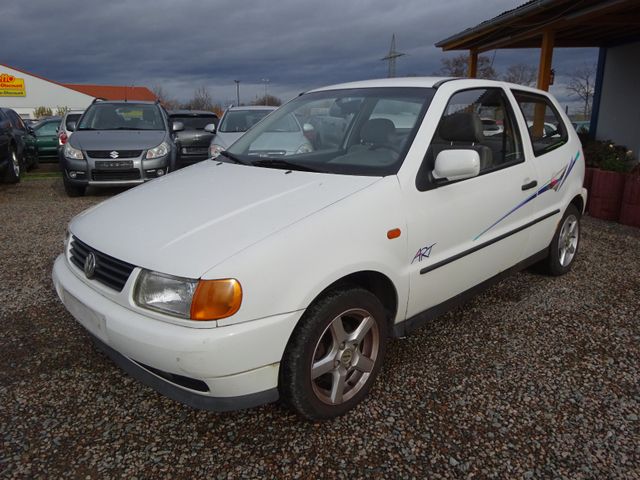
(234, 122)
(70, 118)
(248, 278)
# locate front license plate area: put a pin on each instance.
(92, 321)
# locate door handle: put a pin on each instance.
(530, 185)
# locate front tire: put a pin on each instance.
(73, 190)
(334, 354)
(565, 243)
(15, 167)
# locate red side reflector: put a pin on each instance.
(395, 233)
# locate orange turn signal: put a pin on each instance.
(215, 299)
(395, 233)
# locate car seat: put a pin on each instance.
(462, 130)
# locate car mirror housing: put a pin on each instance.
(457, 164)
(177, 127)
(71, 126)
(211, 128)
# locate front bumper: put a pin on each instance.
(88, 171)
(236, 365)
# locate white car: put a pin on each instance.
(241, 279)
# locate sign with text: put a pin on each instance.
(11, 86)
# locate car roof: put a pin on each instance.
(423, 82)
(123, 102)
(191, 113)
(253, 107)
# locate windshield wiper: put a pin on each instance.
(232, 157)
(279, 163)
(127, 128)
(85, 128)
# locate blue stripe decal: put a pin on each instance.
(555, 183)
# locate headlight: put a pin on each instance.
(214, 150)
(159, 151)
(187, 298)
(71, 152)
(304, 148)
(165, 293)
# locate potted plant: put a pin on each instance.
(630, 207)
(609, 163)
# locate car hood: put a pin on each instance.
(226, 139)
(190, 221)
(117, 139)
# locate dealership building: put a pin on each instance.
(24, 92)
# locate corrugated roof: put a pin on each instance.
(576, 23)
(114, 92)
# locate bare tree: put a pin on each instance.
(458, 66)
(522, 74)
(201, 100)
(268, 100)
(164, 98)
(582, 85)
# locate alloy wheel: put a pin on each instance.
(344, 356)
(568, 240)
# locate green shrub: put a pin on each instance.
(607, 156)
(41, 112)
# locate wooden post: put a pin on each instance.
(544, 79)
(473, 63)
(546, 59)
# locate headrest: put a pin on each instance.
(461, 127)
(377, 130)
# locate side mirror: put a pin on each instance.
(177, 127)
(211, 128)
(307, 128)
(457, 164)
(71, 126)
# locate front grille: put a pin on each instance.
(109, 271)
(111, 175)
(107, 153)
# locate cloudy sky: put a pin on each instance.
(295, 44)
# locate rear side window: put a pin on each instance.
(72, 117)
(546, 129)
(16, 121)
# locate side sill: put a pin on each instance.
(410, 325)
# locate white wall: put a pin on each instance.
(619, 117)
(41, 93)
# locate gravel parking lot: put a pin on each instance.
(537, 378)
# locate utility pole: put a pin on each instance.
(266, 82)
(237, 92)
(392, 56)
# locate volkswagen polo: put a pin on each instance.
(251, 277)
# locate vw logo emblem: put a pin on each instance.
(114, 154)
(90, 265)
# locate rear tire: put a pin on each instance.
(565, 243)
(335, 354)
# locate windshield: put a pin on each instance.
(192, 122)
(357, 131)
(241, 120)
(110, 116)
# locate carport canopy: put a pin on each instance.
(546, 24)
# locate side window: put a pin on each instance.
(546, 129)
(481, 120)
(47, 129)
(16, 121)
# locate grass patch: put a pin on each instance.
(37, 176)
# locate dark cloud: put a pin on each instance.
(185, 44)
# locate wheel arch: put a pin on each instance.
(578, 202)
(373, 281)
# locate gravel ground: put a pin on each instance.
(537, 378)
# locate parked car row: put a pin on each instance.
(352, 214)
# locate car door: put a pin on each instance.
(47, 138)
(5, 126)
(553, 157)
(464, 232)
